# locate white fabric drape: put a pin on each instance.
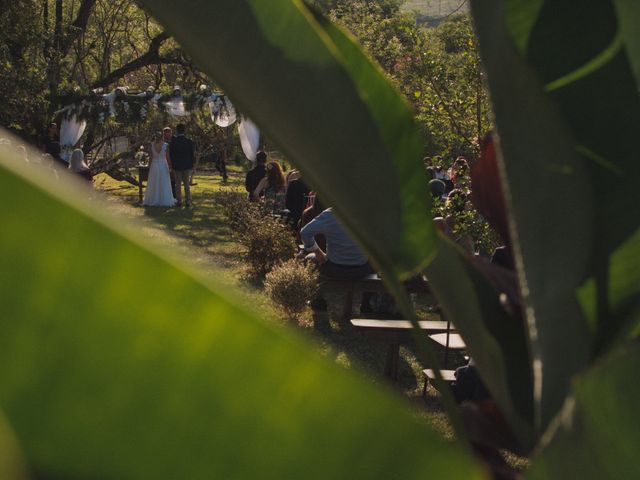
(249, 138)
(70, 132)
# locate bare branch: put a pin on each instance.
(150, 57)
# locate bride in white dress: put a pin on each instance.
(158, 192)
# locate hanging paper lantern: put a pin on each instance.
(226, 113)
(175, 107)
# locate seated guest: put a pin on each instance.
(256, 174)
(49, 162)
(292, 175)
(22, 151)
(297, 192)
(78, 166)
(343, 258)
(457, 202)
(272, 187)
(309, 214)
(52, 145)
(437, 188)
(459, 172)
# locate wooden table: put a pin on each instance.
(394, 333)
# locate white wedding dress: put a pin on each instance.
(158, 192)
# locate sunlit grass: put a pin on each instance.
(199, 234)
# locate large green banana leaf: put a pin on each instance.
(496, 341)
(550, 205)
(571, 168)
(116, 363)
(586, 57)
(333, 113)
(315, 93)
(596, 435)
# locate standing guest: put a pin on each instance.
(221, 165)
(52, 145)
(182, 158)
(256, 174)
(78, 166)
(297, 192)
(273, 187)
(343, 257)
(167, 134)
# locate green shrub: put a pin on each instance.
(267, 241)
(237, 209)
(290, 285)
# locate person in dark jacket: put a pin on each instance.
(181, 160)
(297, 192)
(256, 174)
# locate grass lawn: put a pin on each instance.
(201, 235)
(432, 12)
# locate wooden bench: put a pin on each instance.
(429, 375)
(394, 333)
(450, 341)
(369, 283)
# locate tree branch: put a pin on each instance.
(150, 57)
(78, 26)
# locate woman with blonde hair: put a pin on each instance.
(78, 166)
(272, 186)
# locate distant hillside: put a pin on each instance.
(431, 12)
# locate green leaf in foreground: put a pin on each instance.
(116, 364)
(628, 16)
(587, 58)
(314, 92)
(551, 213)
(597, 433)
(12, 464)
(496, 341)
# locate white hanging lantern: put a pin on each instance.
(175, 107)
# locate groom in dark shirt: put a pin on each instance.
(182, 156)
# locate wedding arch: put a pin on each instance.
(77, 109)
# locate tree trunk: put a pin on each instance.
(57, 31)
(479, 103)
